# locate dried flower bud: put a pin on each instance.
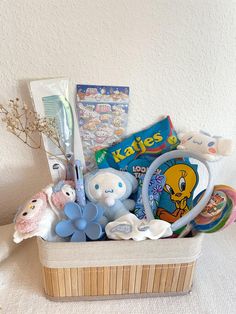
(25, 107)
(26, 124)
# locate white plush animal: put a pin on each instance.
(110, 189)
(211, 148)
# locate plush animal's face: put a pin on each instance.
(106, 185)
(199, 142)
(180, 182)
(65, 195)
(69, 192)
(31, 209)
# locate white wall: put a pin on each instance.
(177, 56)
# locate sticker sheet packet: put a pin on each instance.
(102, 114)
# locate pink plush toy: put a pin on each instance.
(60, 194)
(63, 192)
(41, 213)
(29, 217)
(35, 219)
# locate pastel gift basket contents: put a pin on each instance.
(131, 223)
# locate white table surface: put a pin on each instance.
(214, 289)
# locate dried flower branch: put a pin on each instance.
(29, 126)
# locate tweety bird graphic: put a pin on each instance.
(180, 182)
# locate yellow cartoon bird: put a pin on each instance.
(180, 182)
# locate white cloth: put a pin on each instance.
(6, 241)
(130, 227)
(214, 288)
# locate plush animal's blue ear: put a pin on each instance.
(87, 178)
(131, 179)
(130, 182)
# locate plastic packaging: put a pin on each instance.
(219, 213)
(155, 189)
(135, 153)
(102, 115)
(50, 98)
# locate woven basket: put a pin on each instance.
(118, 269)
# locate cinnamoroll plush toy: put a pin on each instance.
(210, 148)
(110, 189)
(40, 214)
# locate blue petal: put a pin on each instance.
(90, 212)
(78, 236)
(93, 231)
(64, 228)
(72, 210)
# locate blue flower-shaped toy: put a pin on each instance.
(82, 223)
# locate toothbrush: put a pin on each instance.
(59, 108)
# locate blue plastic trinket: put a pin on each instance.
(82, 223)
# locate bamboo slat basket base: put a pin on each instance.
(118, 269)
(116, 282)
(116, 297)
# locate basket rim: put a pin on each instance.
(120, 252)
